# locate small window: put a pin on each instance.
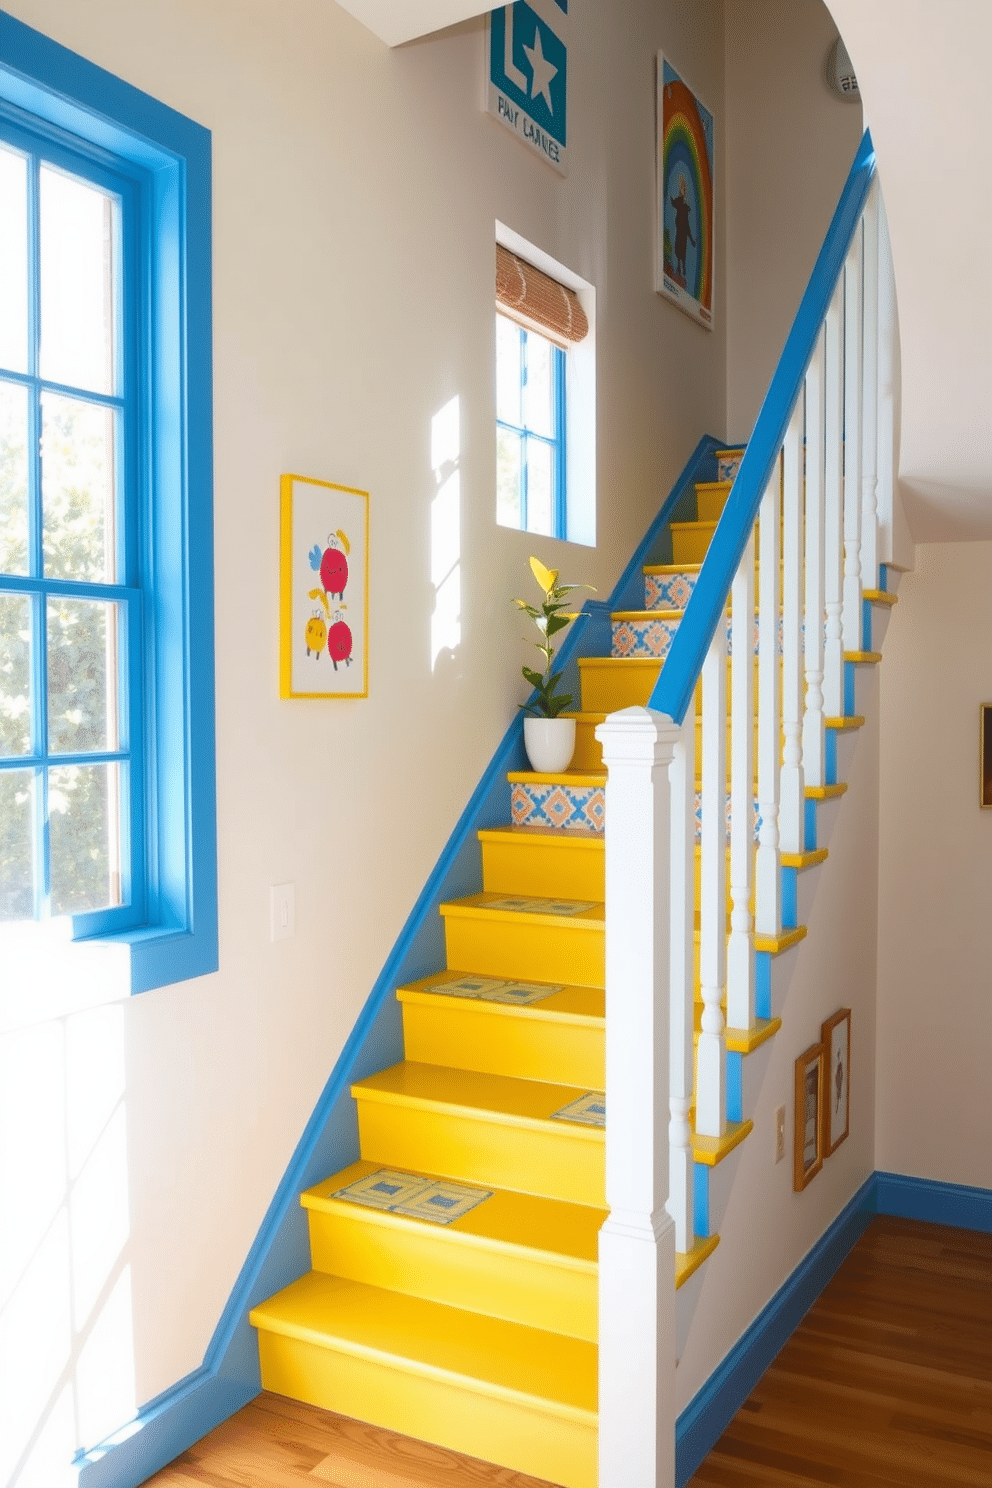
(540, 323)
(530, 431)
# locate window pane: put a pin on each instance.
(16, 838)
(507, 371)
(508, 466)
(13, 478)
(15, 674)
(538, 392)
(13, 261)
(77, 490)
(539, 487)
(78, 273)
(84, 837)
(82, 675)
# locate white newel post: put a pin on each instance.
(637, 1242)
(853, 410)
(814, 754)
(740, 946)
(869, 447)
(792, 787)
(682, 989)
(833, 506)
(886, 386)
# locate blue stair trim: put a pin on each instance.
(710, 1412)
(735, 1086)
(675, 686)
(701, 1200)
(229, 1376)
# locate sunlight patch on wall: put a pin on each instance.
(446, 536)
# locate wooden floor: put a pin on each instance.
(887, 1383)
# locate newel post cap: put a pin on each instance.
(637, 736)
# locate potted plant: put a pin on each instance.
(549, 739)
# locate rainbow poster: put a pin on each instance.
(685, 196)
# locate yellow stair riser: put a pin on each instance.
(497, 1430)
(690, 540)
(711, 498)
(437, 1263)
(522, 863)
(558, 1160)
(474, 1036)
(610, 682)
(588, 750)
(515, 947)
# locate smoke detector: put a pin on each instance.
(841, 78)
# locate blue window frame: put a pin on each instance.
(142, 726)
(531, 490)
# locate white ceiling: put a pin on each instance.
(396, 21)
(923, 73)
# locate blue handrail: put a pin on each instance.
(675, 686)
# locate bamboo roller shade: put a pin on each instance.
(538, 302)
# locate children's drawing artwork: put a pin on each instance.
(684, 221)
(836, 1038)
(323, 589)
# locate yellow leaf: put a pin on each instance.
(546, 577)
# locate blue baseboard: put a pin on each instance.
(936, 1203)
(704, 1420)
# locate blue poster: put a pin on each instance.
(528, 75)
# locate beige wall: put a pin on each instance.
(935, 899)
(788, 156)
(355, 195)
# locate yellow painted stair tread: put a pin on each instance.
(581, 839)
(508, 1360)
(647, 614)
(582, 1005)
(880, 596)
(501, 1098)
(804, 859)
(689, 1261)
(581, 779)
(671, 568)
(863, 658)
(746, 1040)
(525, 1222)
(825, 792)
(712, 1150)
(486, 906)
(852, 721)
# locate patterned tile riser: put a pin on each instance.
(654, 637)
(668, 591)
(567, 808)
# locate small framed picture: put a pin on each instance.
(808, 1152)
(836, 1037)
(985, 756)
(324, 563)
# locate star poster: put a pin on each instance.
(685, 197)
(528, 73)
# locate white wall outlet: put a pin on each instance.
(779, 1133)
(282, 911)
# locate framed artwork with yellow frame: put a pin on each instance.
(835, 1034)
(324, 589)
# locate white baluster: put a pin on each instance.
(869, 399)
(682, 986)
(886, 385)
(767, 872)
(637, 1242)
(833, 506)
(711, 1057)
(740, 947)
(853, 352)
(814, 759)
(792, 790)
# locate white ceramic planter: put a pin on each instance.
(550, 743)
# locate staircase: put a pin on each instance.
(453, 1295)
(463, 1266)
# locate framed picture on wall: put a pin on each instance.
(684, 208)
(985, 756)
(836, 1038)
(808, 1142)
(324, 559)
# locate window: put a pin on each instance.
(530, 431)
(545, 400)
(106, 708)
